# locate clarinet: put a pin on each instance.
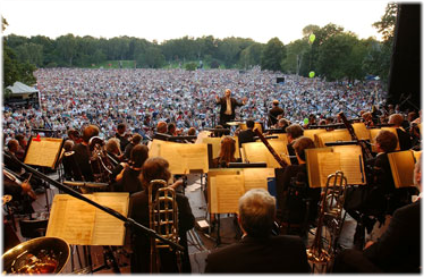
(281, 162)
(368, 155)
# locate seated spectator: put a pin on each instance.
(259, 251)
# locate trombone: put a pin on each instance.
(331, 208)
(163, 218)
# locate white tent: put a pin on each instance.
(21, 89)
(23, 94)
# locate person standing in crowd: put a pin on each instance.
(259, 251)
(135, 140)
(227, 107)
(274, 113)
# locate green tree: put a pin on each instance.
(251, 55)
(386, 25)
(335, 56)
(30, 53)
(13, 70)
(152, 58)
(67, 47)
(295, 55)
(273, 54)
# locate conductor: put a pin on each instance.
(227, 107)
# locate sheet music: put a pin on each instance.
(402, 166)
(80, 223)
(225, 193)
(44, 152)
(333, 136)
(361, 131)
(184, 157)
(73, 221)
(108, 229)
(257, 177)
(216, 145)
(255, 152)
(329, 164)
(310, 133)
(351, 158)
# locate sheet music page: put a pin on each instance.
(202, 135)
(255, 152)
(77, 218)
(257, 177)
(281, 149)
(109, 230)
(225, 193)
(351, 157)
(361, 131)
(57, 220)
(312, 132)
(329, 164)
(44, 152)
(402, 166)
(216, 145)
(313, 165)
(184, 157)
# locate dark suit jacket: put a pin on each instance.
(399, 248)
(139, 211)
(82, 157)
(273, 114)
(281, 254)
(404, 139)
(223, 106)
(246, 136)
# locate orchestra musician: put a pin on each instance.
(122, 135)
(403, 136)
(275, 112)
(158, 168)
(248, 134)
(227, 153)
(128, 179)
(380, 196)
(295, 177)
(227, 107)
(82, 153)
(398, 250)
(294, 131)
(259, 251)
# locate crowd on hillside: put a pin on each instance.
(72, 98)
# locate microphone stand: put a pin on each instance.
(129, 222)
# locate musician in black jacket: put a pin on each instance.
(274, 113)
(227, 107)
(293, 131)
(157, 168)
(259, 251)
(82, 153)
(248, 134)
(295, 180)
(404, 138)
(398, 250)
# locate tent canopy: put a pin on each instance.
(19, 88)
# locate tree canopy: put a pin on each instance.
(334, 54)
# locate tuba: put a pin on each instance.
(99, 161)
(163, 218)
(330, 216)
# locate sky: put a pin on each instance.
(163, 19)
